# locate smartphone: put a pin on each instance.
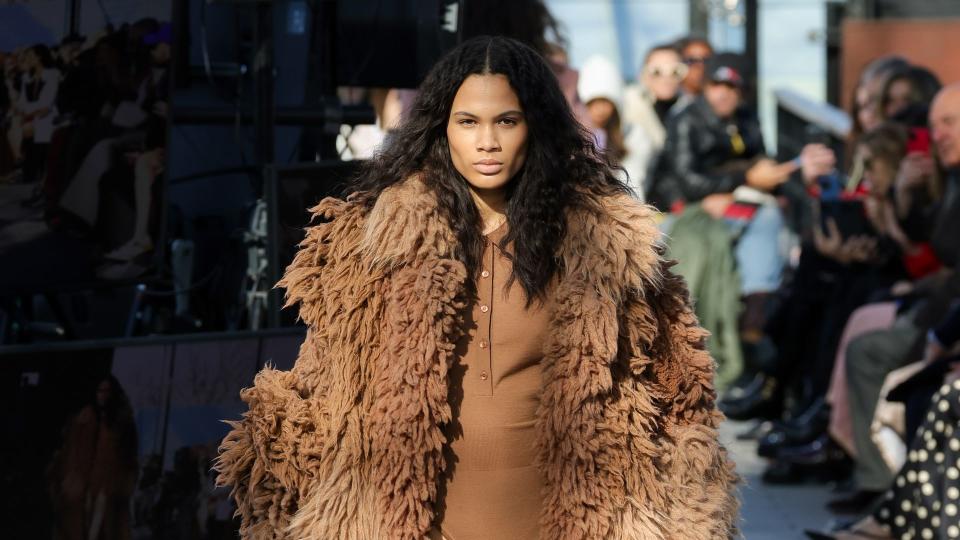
(831, 187)
(919, 141)
(849, 215)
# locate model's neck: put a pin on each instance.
(492, 205)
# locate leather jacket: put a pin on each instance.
(701, 155)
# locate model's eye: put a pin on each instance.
(466, 122)
(509, 121)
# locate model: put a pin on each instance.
(496, 348)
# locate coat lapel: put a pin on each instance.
(407, 237)
(588, 409)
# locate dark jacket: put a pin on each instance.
(941, 289)
(948, 331)
(700, 158)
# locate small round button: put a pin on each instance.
(483, 375)
(484, 274)
(484, 308)
(483, 344)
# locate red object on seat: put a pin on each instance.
(922, 263)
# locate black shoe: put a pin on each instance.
(820, 451)
(783, 473)
(810, 423)
(745, 385)
(803, 429)
(857, 503)
(762, 403)
(786, 473)
(770, 444)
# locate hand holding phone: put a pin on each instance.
(919, 141)
(914, 171)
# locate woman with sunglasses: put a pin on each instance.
(695, 52)
(646, 107)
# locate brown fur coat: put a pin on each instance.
(348, 444)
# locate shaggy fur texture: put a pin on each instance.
(349, 444)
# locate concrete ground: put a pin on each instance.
(774, 512)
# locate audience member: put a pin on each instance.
(714, 166)
(872, 356)
(601, 89)
(905, 87)
(646, 106)
(694, 52)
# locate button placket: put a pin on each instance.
(486, 301)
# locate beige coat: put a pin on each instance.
(349, 443)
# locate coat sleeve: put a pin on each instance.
(266, 456)
(271, 456)
(699, 474)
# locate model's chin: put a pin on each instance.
(489, 182)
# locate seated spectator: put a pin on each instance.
(905, 87)
(34, 110)
(694, 53)
(645, 109)
(840, 272)
(713, 147)
(923, 500)
(867, 112)
(149, 164)
(138, 124)
(601, 89)
(872, 356)
(832, 282)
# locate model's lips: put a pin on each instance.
(488, 166)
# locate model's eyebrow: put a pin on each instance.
(501, 115)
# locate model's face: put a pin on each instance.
(487, 132)
(663, 73)
(898, 97)
(600, 110)
(723, 98)
(695, 56)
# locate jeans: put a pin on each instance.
(759, 257)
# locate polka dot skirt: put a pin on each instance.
(924, 502)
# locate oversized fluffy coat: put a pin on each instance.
(349, 443)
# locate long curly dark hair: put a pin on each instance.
(562, 165)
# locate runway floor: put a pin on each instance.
(774, 512)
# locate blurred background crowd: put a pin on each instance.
(813, 204)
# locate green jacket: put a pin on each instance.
(704, 248)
